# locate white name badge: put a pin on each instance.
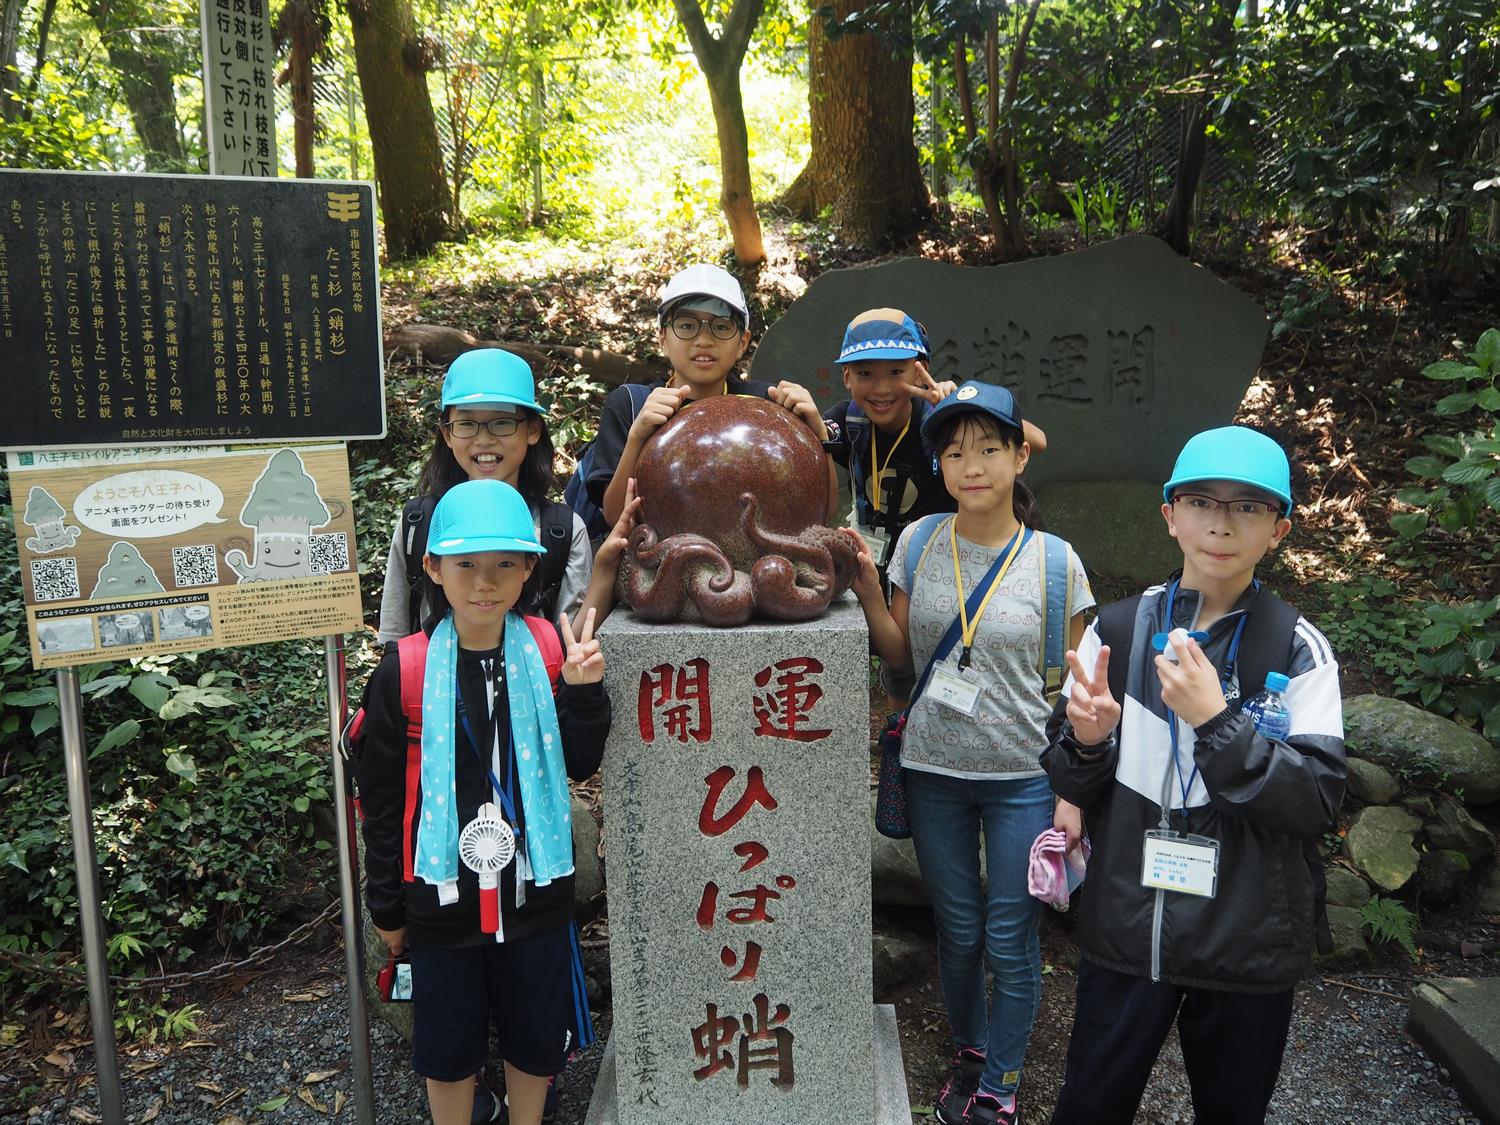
(880, 543)
(952, 690)
(1188, 865)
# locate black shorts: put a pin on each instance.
(531, 990)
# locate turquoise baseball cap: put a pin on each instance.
(482, 515)
(489, 377)
(1234, 453)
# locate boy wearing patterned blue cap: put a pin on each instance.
(874, 434)
(1205, 885)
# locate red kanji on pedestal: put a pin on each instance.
(728, 958)
(685, 688)
(783, 711)
(762, 1027)
(709, 1039)
(756, 793)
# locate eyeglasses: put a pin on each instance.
(686, 327)
(503, 426)
(1240, 511)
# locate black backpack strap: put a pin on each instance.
(1116, 628)
(556, 525)
(1267, 643)
(416, 519)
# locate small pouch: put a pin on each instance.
(394, 980)
(891, 816)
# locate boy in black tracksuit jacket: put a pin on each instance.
(1156, 745)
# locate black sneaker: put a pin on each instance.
(952, 1105)
(487, 1107)
(986, 1109)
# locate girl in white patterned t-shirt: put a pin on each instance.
(975, 734)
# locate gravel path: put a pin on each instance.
(265, 1053)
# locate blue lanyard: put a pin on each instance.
(1224, 679)
(505, 792)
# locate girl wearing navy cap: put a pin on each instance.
(976, 729)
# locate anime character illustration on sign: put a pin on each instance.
(48, 519)
(283, 508)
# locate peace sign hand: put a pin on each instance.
(584, 662)
(1092, 710)
(925, 386)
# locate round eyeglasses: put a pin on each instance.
(502, 426)
(685, 326)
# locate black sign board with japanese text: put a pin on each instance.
(162, 310)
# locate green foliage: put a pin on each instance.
(1390, 921)
(204, 774)
(141, 1018)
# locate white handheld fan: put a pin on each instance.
(486, 845)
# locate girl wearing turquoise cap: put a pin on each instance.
(490, 428)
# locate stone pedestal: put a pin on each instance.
(736, 806)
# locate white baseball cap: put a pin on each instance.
(705, 281)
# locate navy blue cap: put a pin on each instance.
(977, 397)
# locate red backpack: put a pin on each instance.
(412, 652)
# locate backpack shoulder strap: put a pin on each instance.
(550, 644)
(1055, 562)
(920, 543)
(557, 537)
(412, 653)
(416, 517)
(1267, 643)
(1116, 628)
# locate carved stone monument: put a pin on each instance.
(1121, 352)
(736, 785)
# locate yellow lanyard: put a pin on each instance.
(969, 628)
(876, 466)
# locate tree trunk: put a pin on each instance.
(392, 64)
(1175, 225)
(146, 83)
(720, 59)
(299, 23)
(864, 162)
(44, 30)
(10, 79)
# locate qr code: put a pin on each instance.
(55, 580)
(195, 566)
(330, 552)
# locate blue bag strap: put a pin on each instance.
(1056, 565)
(916, 546)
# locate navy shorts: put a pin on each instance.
(531, 990)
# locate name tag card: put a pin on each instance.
(952, 690)
(1186, 864)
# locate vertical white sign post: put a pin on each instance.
(239, 99)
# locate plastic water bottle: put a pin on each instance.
(1268, 709)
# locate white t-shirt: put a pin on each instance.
(1005, 736)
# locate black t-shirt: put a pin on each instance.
(614, 426)
(910, 487)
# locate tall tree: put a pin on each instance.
(863, 163)
(719, 57)
(393, 61)
(303, 25)
(10, 77)
(1217, 57)
(147, 82)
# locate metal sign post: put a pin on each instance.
(90, 911)
(361, 1071)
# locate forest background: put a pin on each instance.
(544, 165)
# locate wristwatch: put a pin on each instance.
(1069, 741)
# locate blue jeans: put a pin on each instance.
(977, 926)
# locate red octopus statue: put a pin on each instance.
(734, 498)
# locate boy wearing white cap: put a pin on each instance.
(703, 324)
